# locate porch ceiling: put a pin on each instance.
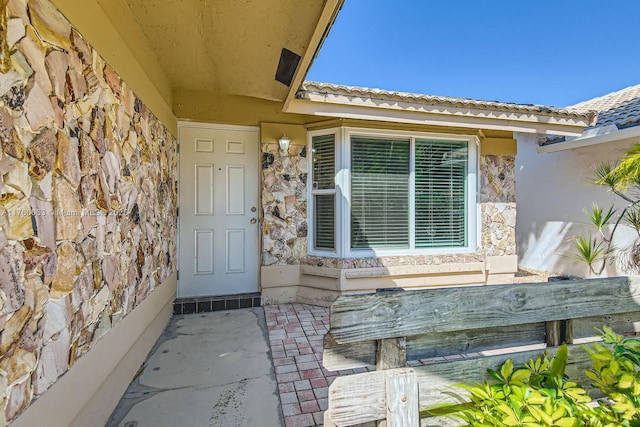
(227, 51)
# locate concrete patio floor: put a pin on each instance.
(207, 369)
(246, 367)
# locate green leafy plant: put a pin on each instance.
(536, 394)
(590, 249)
(539, 393)
(599, 218)
(615, 372)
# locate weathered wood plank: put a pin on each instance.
(402, 398)
(360, 398)
(391, 353)
(327, 420)
(623, 323)
(378, 316)
(566, 331)
(362, 354)
(336, 357)
(553, 333)
(473, 341)
(357, 399)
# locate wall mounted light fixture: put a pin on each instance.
(284, 142)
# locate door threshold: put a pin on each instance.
(208, 304)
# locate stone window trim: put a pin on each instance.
(342, 190)
(442, 260)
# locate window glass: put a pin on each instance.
(398, 185)
(324, 232)
(379, 193)
(323, 190)
(440, 193)
(324, 162)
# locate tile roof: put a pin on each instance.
(620, 109)
(363, 92)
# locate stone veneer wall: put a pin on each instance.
(284, 204)
(498, 205)
(87, 207)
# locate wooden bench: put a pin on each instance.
(387, 329)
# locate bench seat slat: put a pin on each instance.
(360, 398)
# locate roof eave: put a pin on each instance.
(325, 22)
(406, 111)
(585, 141)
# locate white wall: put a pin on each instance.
(553, 190)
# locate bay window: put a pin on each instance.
(386, 193)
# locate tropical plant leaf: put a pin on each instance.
(589, 249)
(602, 175)
(627, 171)
(599, 217)
(632, 217)
(539, 393)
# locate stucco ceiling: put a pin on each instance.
(226, 47)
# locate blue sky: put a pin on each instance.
(534, 52)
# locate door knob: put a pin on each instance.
(253, 220)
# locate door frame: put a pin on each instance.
(182, 123)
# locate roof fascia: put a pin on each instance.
(585, 141)
(325, 22)
(414, 113)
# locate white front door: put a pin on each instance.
(218, 210)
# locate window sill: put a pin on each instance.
(371, 253)
(398, 271)
(401, 260)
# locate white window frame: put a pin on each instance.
(343, 193)
(311, 192)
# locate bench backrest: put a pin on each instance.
(388, 329)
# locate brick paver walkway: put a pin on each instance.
(295, 335)
(296, 332)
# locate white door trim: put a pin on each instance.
(183, 124)
(216, 126)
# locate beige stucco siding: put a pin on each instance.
(554, 191)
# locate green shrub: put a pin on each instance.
(539, 393)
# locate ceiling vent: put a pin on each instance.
(287, 66)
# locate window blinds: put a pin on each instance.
(379, 193)
(440, 193)
(323, 190)
(324, 162)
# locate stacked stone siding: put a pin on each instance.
(284, 205)
(498, 205)
(87, 206)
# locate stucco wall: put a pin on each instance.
(553, 191)
(87, 211)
